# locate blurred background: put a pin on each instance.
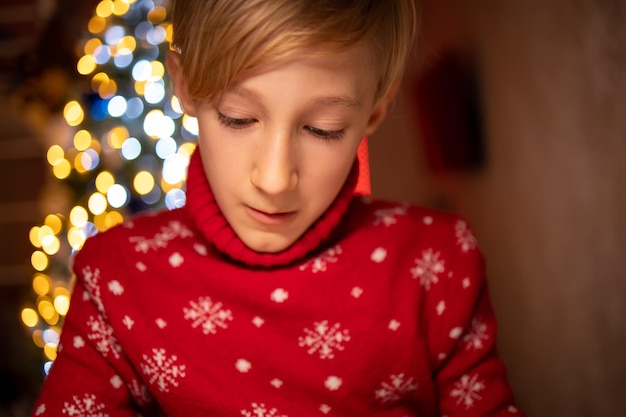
(512, 114)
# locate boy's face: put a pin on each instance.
(280, 143)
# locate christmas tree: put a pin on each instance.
(125, 148)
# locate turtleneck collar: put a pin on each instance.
(210, 221)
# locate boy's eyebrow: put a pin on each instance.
(346, 101)
(343, 100)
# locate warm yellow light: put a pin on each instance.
(108, 89)
(62, 170)
(54, 222)
(103, 181)
(41, 284)
(38, 338)
(82, 140)
(190, 123)
(90, 46)
(29, 317)
(54, 319)
(50, 351)
(86, 65)
(95, 145)
(51, 245)
(73, 113)
(46, 309)
(62, 304)
(120, 7)
(140, 87)
(104, 9)
(158, 70)
(186, 149)
(97, 203)
(55, 155)
(143, 182)
(127, 42)
(165, 186)
(33, 236)
(78, 216)
(43, 233)
(39, 260)
(113, 219)
(76, 237)
(117, 136)
(96, 24)
(78, 163)
(168, 32)
(157, 15)
(99, 79)
(176, 105)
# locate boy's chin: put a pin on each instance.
(268, 242)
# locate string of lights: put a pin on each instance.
(127, 150)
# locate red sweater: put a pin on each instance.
(378, 310)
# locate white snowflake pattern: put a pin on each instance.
(160, 240)
(116, 288)
(466, 391)
(464, 236)
(320, 263)
(208, 314)
(428, 268)
(477, 335)
(388, 217)
(140, 392)
(261, 410)
(92, 282)
(102, 334)
(324, 339)
(394, 389)
(162, 369)
(84, 407)
(40, 410)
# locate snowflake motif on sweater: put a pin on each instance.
(84, 407)
(260, 410)
(208, 314)
(324, 339)
(394, 389)
(464, 236)
(102, 334)
(92, 283)
(320, 263)
(162, 369)
(160, 240)
(466, 391)
(428, 268)
(388, 217)
(477, 335)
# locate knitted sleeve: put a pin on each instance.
(90, 376)
(470, 378)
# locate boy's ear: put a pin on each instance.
(380, 110)
(172, 62)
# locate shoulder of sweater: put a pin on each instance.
(143, 225)
(411, 214)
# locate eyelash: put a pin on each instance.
(235, 123)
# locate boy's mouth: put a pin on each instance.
(269, 218)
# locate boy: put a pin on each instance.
(275, 291)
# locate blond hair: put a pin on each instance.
(219, 39)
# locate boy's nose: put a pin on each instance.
(275, 170)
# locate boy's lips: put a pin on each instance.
(269, 218)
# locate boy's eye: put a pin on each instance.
(325, 134)
(234, 123)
